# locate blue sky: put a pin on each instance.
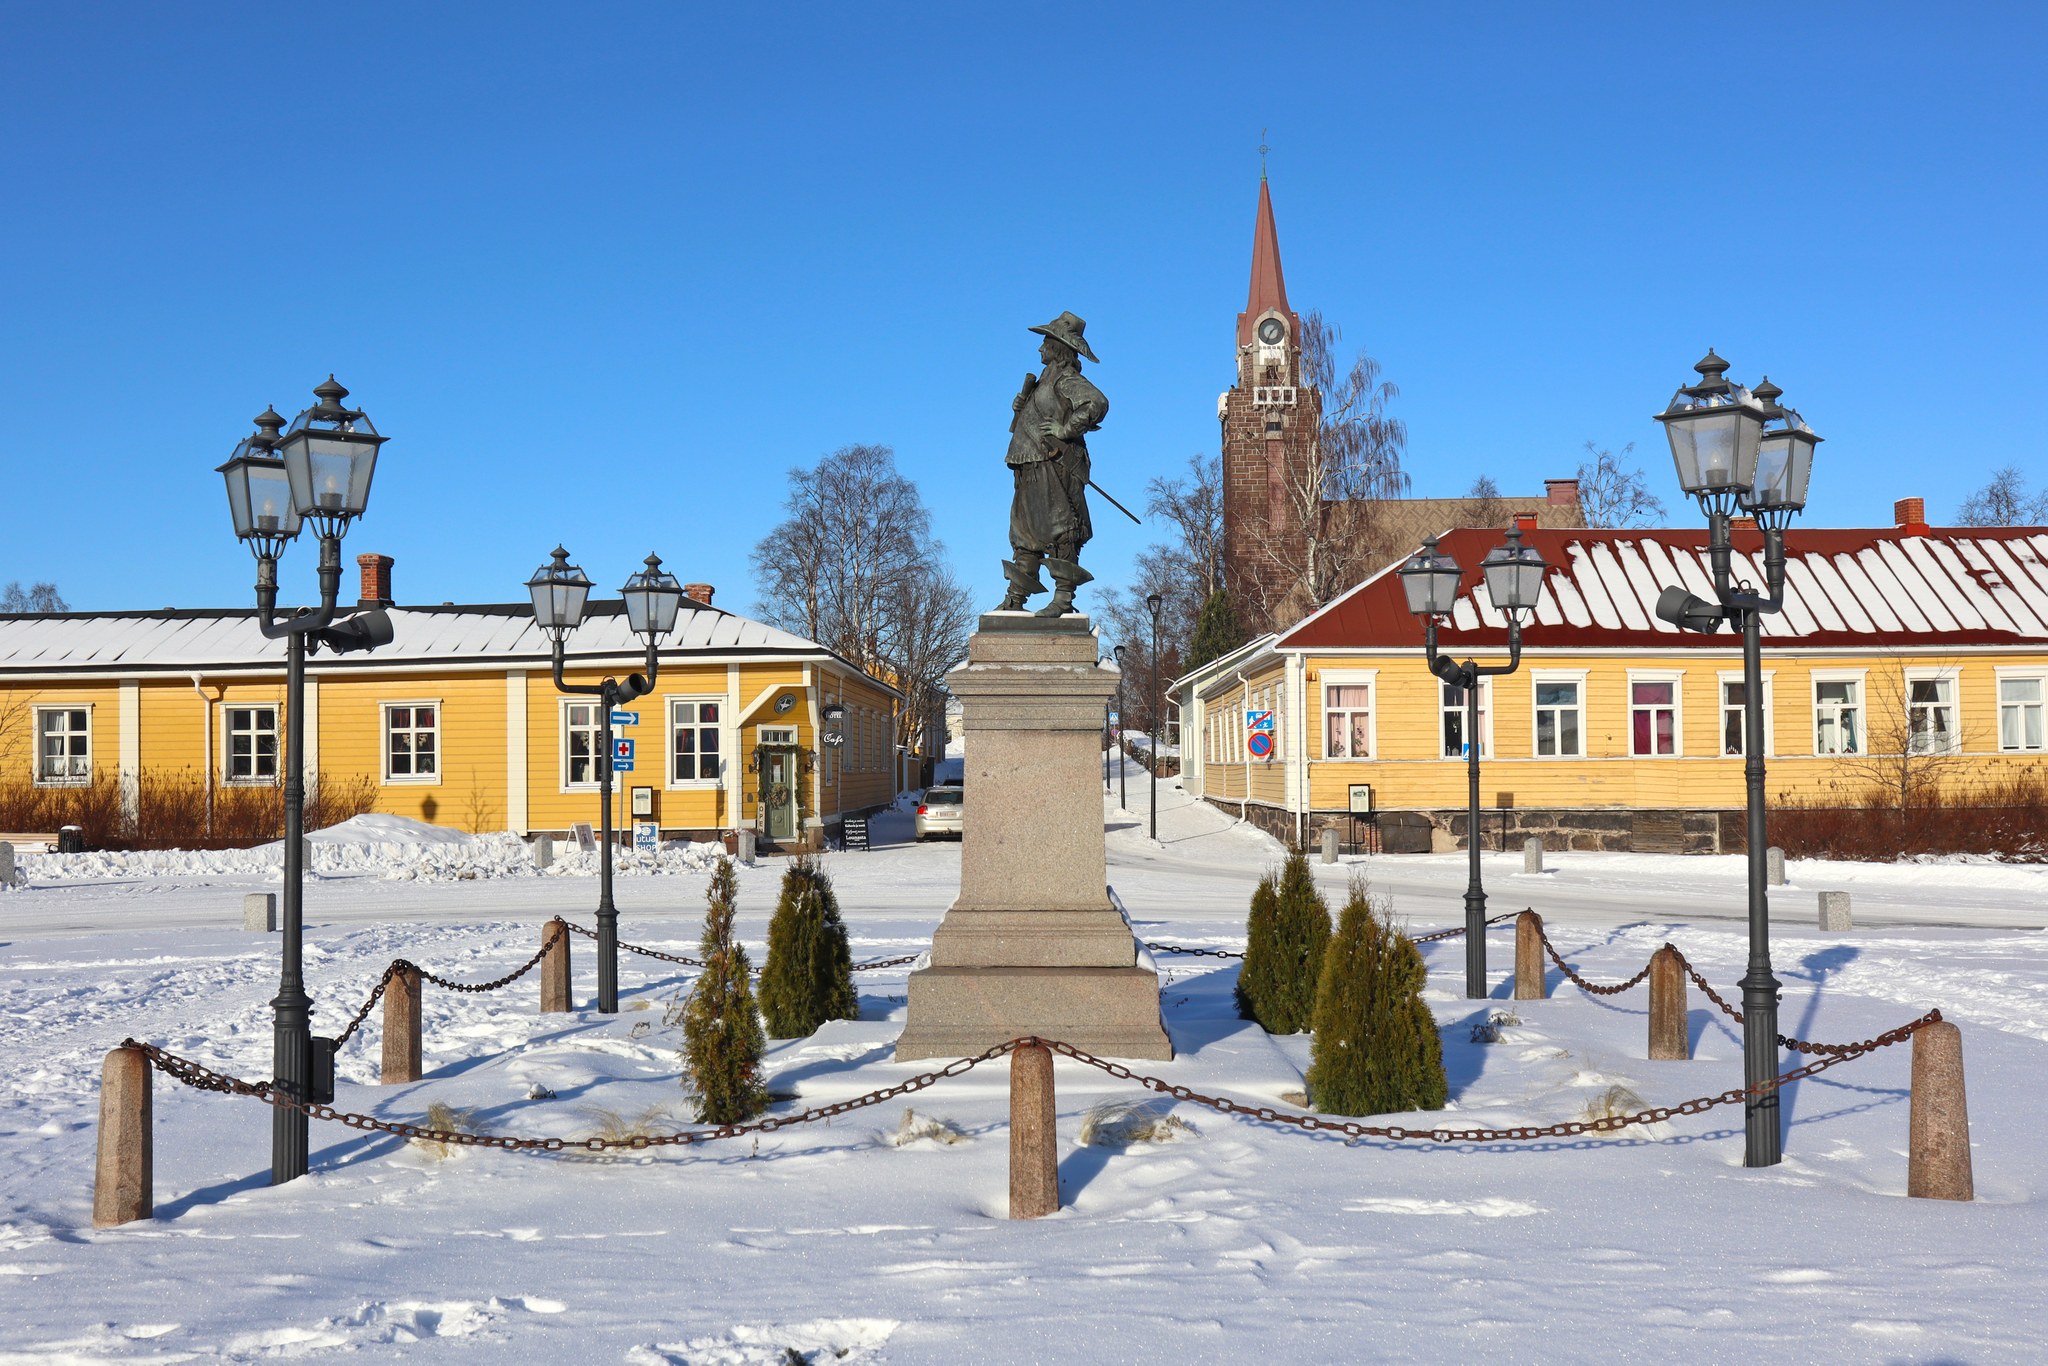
(604, 272)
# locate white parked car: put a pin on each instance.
(939, 813)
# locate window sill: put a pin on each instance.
(431, 780)
(248, 782)
(63, 782)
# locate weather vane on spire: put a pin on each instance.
(1263, 149)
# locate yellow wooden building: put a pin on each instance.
(458, 722)
(1904, 656)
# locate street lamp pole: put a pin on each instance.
(318, 470)
(1738, 448)
(1153, 604)
(652, 598)
(1123, 722)
(1514, 576)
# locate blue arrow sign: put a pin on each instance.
(625, 718)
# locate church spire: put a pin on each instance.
(1269, 286)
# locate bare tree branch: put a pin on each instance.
(1612, 492)
(2005, 501)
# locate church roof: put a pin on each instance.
(1269, 285)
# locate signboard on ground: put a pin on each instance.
(856, 830)
(1361, 799)
(586, 838)
(646, 836)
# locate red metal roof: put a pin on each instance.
(1947, 586)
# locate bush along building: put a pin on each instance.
(147, 724)
(1909, 663)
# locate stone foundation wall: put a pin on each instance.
(1592, 829)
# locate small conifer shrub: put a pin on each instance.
(1376, 1048)
(808, 978)
(722, 1039)
(1283, 959)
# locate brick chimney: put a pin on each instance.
(1910, 514)
(1742, 524)
(376, 580)
(698, 592)
(1563, 492)
(1525, 521)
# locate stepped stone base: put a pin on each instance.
(1033, 945)
(956, 1012)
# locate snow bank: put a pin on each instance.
(393, 848)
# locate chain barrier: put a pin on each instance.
(874, 965)
(199, 1077)
(1417, 939)
(384, 983)
(1806, 1046)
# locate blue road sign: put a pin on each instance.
(1260, 744)
(1258, 720)
(622, 765)
(622, 751)
(625, 718)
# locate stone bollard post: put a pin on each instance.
(1670, 1036)
(1529, 983)
(259, 912)
(1774, 866)
(6, 864)
(554, 969)
(1532, 854)
(1329, 844)
(1034, 1134)
(543, 851)
(123, 1184)
(1938, 1153)
(1834, 911)
(401, 1027)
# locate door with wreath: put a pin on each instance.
(779, 773)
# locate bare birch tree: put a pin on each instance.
(2005, 501)
(853, 566)
(37, 597)
(1612, 492)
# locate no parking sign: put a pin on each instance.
(1258, 733)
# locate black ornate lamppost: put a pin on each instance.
(653, 598)
(319, 470)
(1514, 576)
(1153, 604)
(1123, 721)
(1740, 449)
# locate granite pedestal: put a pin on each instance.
(1033, 945)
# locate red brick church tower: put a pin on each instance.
(1270, 418)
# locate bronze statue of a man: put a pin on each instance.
(1049, 458)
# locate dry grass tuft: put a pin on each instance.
(447, 1119)
(1618, 1100)
(1120, 1123)
(614, 1127)
(916, 1126)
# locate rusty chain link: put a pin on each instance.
(1416, 939)
(195, 1075)
(645, 952)
(397, 964)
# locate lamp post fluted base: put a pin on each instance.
(1475, 943)
(291, 1062)
(1763, 1134)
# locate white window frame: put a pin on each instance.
(1351, 678)
(1676, 678)
(1538, 677)
(2030, 674)
(1443, 708)
(775, 735)
(564, 730)
(1952, 675)
(36, 746)
(676, 704)
(1860, 677)
(1721, 710)
(227, 747)
(387, 777)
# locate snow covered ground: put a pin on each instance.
(1236, 1241)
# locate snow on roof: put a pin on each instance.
(177, 640)
(1898, 586)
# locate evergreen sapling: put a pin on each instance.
(1376, 1049)
(808, 978)
(722, 1039)
(1283, 958)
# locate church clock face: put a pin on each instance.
(1271, 331)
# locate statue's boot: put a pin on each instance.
(1067, 575)
(1024, 581)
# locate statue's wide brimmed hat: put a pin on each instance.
(1067, 329)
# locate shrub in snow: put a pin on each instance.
(722, 1039)
(1283, 956)
(1376, 1048)
(808, 978)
